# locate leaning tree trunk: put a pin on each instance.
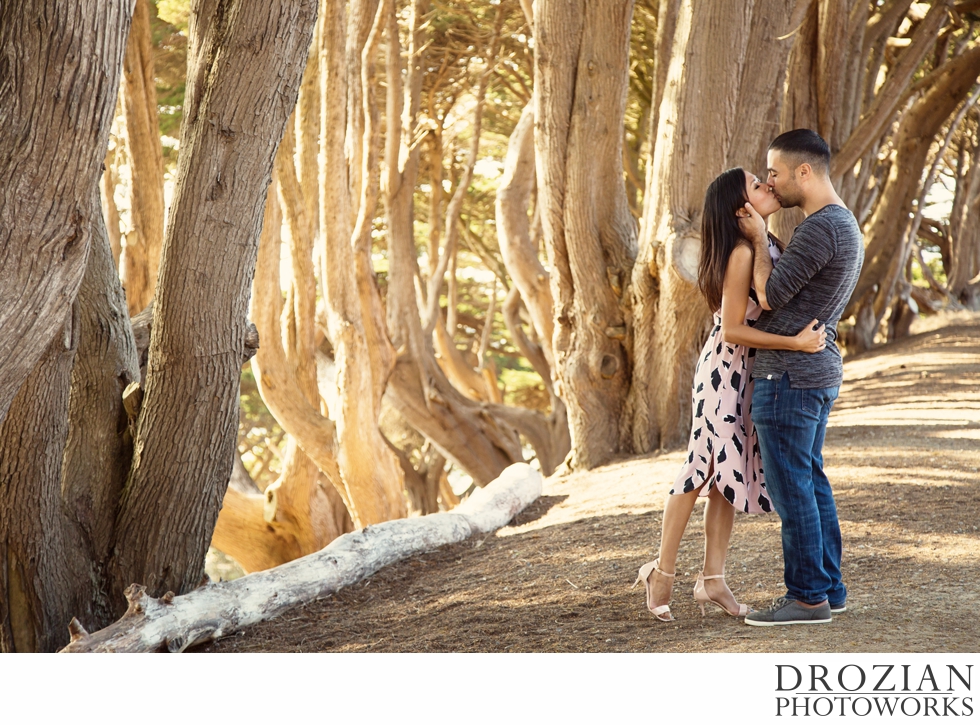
(733, 72)
(188, 422)
(58, 80)
(886, 230)
(964, 263)
(141, 258)
(862, 135)
(581, 71)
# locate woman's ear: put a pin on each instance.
(741, 213)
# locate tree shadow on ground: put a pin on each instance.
(565, 588)
(537, 509)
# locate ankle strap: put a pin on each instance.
(713, 576)
(661, 571)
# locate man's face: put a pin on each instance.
(784, 181)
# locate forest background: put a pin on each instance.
(273, 274)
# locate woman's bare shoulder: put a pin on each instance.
(742, 252)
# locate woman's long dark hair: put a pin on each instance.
(720, 232)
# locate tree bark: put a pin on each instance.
(964, 235)
(40, 557)
(295, 515)
(580, 77)
(362, 352)
(715, 93)
(59, 79)
(141, 257)
(99, 446)
(188, 422)
(519, 252)
(832, 55)
(281, 391)
(820, 80)
(308, 132)
(886, 101)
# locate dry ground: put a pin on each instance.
(902, 451)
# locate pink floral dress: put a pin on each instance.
(723, 451)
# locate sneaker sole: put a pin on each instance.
(755, 623)
(839, 610)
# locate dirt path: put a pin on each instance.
(902, 451)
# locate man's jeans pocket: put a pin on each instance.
(814, 400)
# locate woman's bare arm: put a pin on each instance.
(735, 300)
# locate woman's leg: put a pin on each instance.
(719, 517)
(677, 512)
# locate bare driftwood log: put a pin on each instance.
(175, 623)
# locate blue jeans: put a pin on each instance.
(791, 426)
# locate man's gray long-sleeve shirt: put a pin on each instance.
(814, 278)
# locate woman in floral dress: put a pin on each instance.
(723, 462)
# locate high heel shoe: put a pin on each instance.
(662, 612)
(702, 598)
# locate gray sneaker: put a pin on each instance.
(789, 611)
(838, 608)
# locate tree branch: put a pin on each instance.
(213, 611)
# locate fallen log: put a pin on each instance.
(174, 623)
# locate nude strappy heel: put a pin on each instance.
(702, 598)
(662, 612)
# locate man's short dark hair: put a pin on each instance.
(803, 146)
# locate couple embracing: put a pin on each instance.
(765, 383)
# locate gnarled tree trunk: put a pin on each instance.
(580, 75)
(99, 447)
(532, 284)
(722, 90)
(58, 80)
(295, 515)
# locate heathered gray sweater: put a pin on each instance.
(813, 279)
